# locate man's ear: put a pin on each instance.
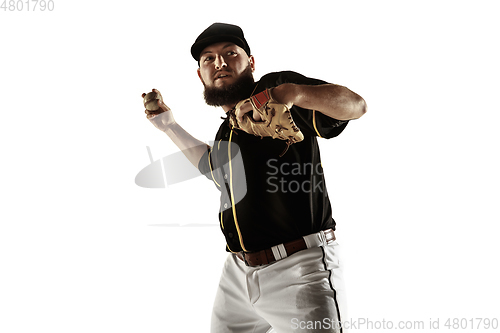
(199, 75)
(251, 60)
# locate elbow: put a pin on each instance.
(355, 110)
(359, 109)
(363, 107)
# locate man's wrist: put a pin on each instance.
(285, 93)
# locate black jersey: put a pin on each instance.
(266, 199)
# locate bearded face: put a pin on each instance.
(232, 93)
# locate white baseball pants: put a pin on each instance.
(300, 293)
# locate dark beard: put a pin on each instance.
(232, 94)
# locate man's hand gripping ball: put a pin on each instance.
(157, 112)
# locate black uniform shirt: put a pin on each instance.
(267, 200)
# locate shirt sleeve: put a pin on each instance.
(310, 122)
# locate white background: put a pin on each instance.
(413, 183)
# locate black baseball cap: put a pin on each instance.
(219, 32)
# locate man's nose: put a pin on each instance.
(219, 62)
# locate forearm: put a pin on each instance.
(192, 148)
(330, 99)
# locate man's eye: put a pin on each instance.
(231, 53)
(208, 58)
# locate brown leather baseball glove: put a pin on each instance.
(276, 119)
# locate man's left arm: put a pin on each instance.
(332, 100)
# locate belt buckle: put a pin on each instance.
(245, 258)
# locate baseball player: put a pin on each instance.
(282, 273)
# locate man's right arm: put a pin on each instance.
(192, 148)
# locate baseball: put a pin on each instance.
(151, 100)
